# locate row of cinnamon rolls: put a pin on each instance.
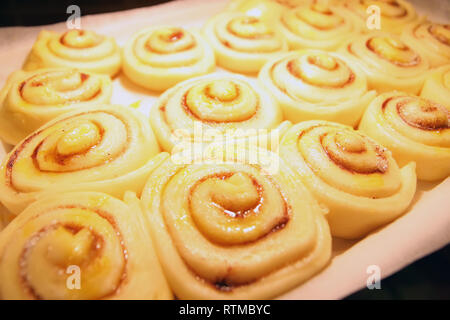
(241, 39)
(296, 86)
(245, 36)
(92, 191)
(307, 84)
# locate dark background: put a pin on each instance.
(428, 278)
(38, 12)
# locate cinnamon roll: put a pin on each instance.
(395, 15)
(213, 107)
(107, 149)
(414, 129)
(313, 84)
(157, 58)
(317, 25)
(431, 39)
(81, 245)
(389, 63)
(353, 176)
(30, 99)
(80, 49)
(243, 43)
(233, 229)
(437, 86)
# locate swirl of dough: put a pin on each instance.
(414, 129)
(94, 236)
(30, 99)
(218, 227)
(313, 84)
(243, 43)
(357, 179)
(213, 107)
(431, 39)
(79, 49)
(157, 58)
(437, 86)
(388, 62)
(317, 25)
(105, 148)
